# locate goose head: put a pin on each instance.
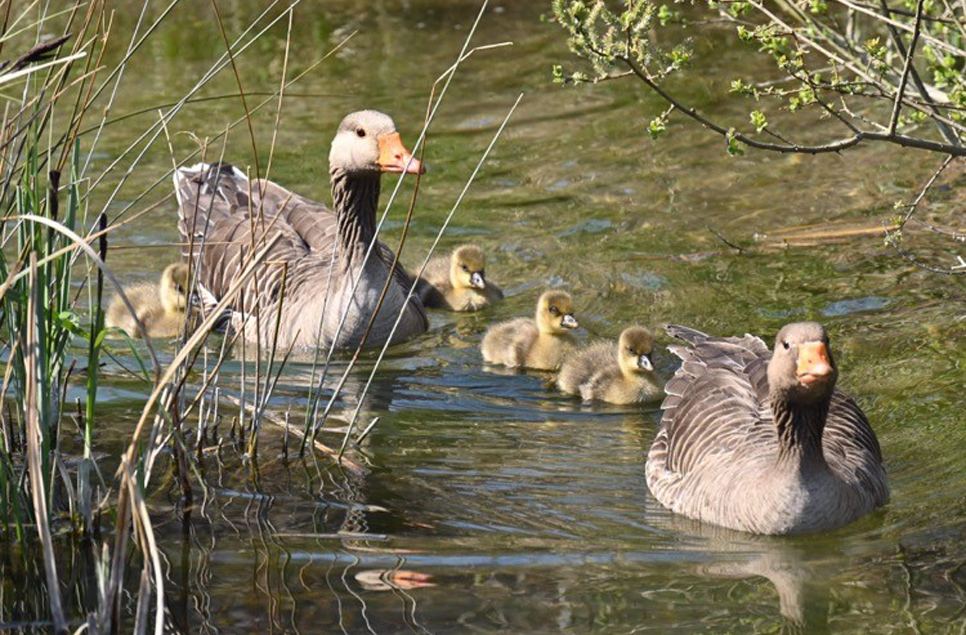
(555, 313)
(467, 268)
(367, 143)
(634, 350)
(801, 370)
(174, 288)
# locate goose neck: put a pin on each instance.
(356, 199)
(800, 428)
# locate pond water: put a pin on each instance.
(492, 502)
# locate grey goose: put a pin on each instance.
(762, 441)
(224, 218)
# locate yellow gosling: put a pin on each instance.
(621, 374)
(458, 282)
(540, 343)
(160, 308)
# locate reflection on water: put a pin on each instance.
(494, 503)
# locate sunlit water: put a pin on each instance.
(519, 509)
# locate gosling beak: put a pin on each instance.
(476, 279)
(644, 362)
(813, 363)
(569, 322)
(394, 157)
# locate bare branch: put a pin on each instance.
(907, 67)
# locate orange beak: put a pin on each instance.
(394, 157)
(813, 362)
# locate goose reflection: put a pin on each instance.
(800, 581)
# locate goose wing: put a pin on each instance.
(852, 450)
(223, 217)
(716, 403)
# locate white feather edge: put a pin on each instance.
(192, 170)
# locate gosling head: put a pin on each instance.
(801, 370)
(367, 143)
(555, 313)
(634, 350)
(174, 288)
(467, 268)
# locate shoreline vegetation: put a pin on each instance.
(68, 498)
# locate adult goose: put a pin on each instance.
(763, 442)
(310, 272)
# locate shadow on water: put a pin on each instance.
(493, 503)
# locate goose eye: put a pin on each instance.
(554, 311)
(360, 132)
(465, 268)
(785, 344)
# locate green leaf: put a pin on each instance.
(734, 149)
(758, 120)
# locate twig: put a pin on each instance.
(907, 67)
(835, 146)
(925, 189)
(714, 233)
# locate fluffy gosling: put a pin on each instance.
(621, 374)
(458, 282)
(540, 343)
(160, 308)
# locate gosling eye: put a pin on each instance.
(180, 289)
(465, 268)
(360, 132)
(785, 344)
(554, 311)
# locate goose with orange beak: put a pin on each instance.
(763, 441)
(321, 282)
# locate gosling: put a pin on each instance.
(458, 282)
(621, 374)
(540, 343)
(161, 308)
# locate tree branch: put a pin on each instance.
(947, 132)
(834, 146)
(906, 68)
